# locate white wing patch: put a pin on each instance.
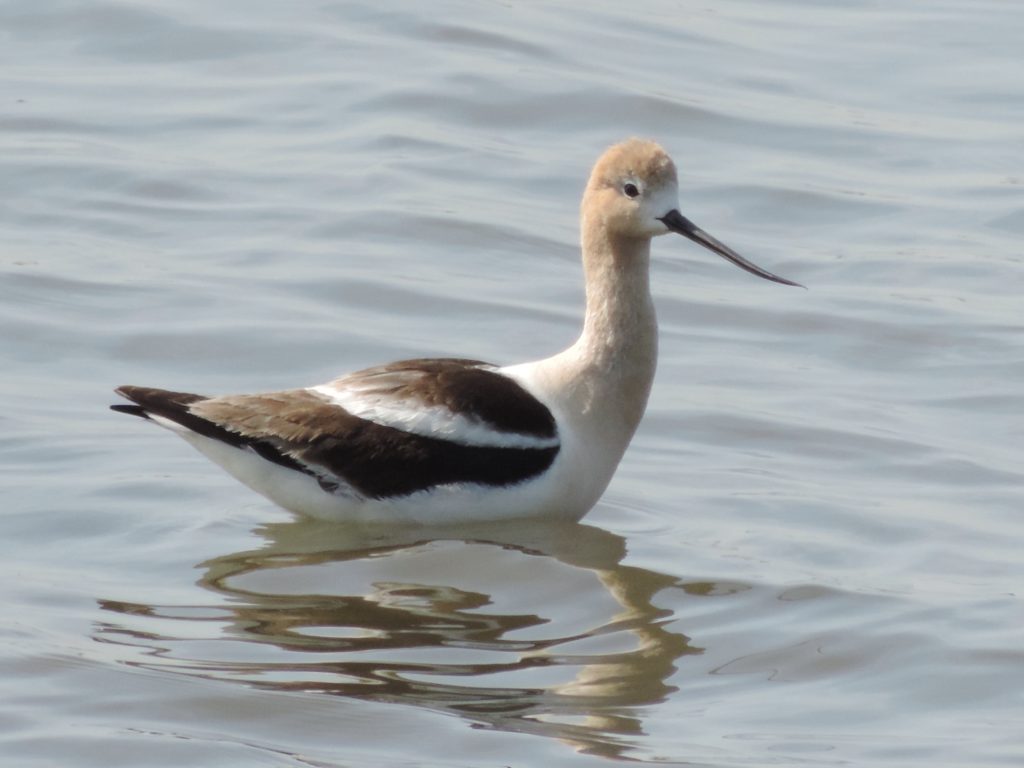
(410, 415)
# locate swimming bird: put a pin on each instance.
(448, 440)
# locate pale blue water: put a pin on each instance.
(811, 554)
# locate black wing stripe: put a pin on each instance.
(382, 462)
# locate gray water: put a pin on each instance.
(811, 554)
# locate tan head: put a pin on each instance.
(632, 185)
(633, 193)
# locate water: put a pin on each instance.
(811, 554)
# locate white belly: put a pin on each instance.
(557, 493)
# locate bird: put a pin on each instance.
(449, 440)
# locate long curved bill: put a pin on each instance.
(676, 222)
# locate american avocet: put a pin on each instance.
(449, 440)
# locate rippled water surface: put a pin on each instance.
(811, 554)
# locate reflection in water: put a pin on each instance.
(415, 616)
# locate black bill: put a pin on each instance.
(676, 222)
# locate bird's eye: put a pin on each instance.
(630, 190)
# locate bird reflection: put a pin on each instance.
(502, 624)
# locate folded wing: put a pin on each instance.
(384, 432)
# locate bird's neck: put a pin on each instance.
(620, 325)
(613, 360)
